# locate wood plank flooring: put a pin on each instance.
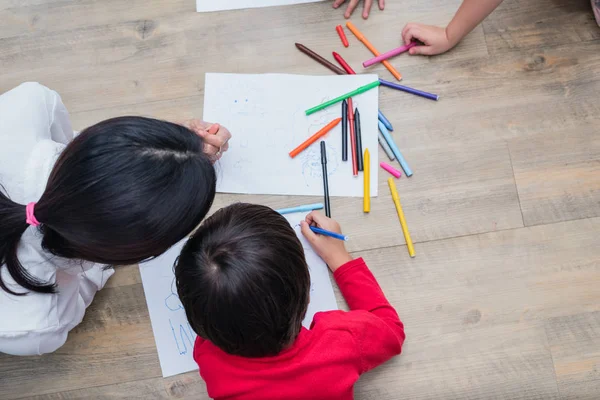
(503, 299)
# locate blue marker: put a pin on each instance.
(395, 150)
(306, 208)
(328, 233)
(385, 121)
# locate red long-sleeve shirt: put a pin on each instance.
(325, 361)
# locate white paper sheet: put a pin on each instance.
(221, 5)
(266, 115)
(173, 335)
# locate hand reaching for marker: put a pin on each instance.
(435, 39)
(216, 137)
(354, 3)
(331, 250)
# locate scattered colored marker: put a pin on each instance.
(343, 37)
(338, 99)
(306, 208)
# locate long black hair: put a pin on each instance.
(123, 191)
(243, 281)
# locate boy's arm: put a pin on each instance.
(438, 40)
(379, 331)
(373, 322)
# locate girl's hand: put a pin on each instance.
(216, 137)
(331, 250)
(434, 39)
(353, 3)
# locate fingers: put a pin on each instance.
(410, 32)
(319, 219)
(338, 3)
(382, 4)
(213, 129)
(308, 234)
(421, 50)
(350, 9)
(367, 8)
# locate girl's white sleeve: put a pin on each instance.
(61, 130)
(92, 280)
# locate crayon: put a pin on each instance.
(320, 59)
(396, 198)
(324, 232)
(338, 99)
(343, 37)
(406, 89)
(389, 54)
(305, 208)
(395, 150)
(372, 49)
(367, 182)
(314, 137)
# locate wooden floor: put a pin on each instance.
(503, 299)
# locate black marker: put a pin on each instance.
(359, 152)
(344, 130)
(325, 180)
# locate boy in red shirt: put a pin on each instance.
(244, 283)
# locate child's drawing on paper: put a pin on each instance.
(312, 170)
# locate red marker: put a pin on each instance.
(352, 137)
(343, 63)
(340, 32)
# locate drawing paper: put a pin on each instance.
(173, 335)
(221, 5)
(266, 116)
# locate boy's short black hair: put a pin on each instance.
(244, 282)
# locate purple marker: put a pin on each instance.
(393, 85)
(389, 54)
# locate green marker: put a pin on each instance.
(353, 93)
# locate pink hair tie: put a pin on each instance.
(31, 220)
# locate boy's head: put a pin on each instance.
(243, 281)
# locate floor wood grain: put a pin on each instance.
(502, 301)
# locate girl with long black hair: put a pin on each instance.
(71, 207)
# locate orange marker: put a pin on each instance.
(315, 137)
(340, 32)
(372, 49)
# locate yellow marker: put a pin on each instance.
(396, 198)
(367, 180)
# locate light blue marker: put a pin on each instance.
(328, 233)
(306, 208)
(392, 144)
(385, 121)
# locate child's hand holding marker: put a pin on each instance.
(434, 39)
(438, 40)
(354, 3)
(216, 137)
(331, 250)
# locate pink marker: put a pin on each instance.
(389, 54)
(390, 169)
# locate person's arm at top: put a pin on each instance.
(352, 4)
(437, 40)
(380, 332)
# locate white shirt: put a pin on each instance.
(34, 129)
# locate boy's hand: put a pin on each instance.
(216, 137)
(434, 39)
(353, 3)
(331, 250)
